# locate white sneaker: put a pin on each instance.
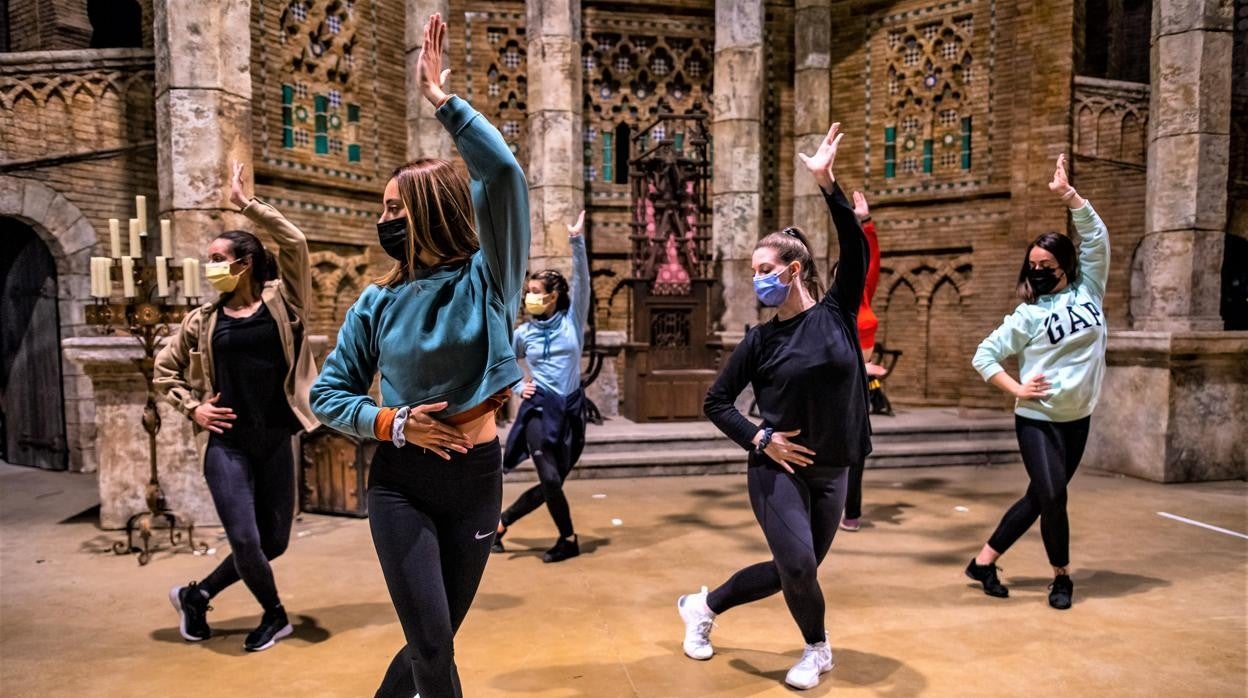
(698, 623)
(816, 660)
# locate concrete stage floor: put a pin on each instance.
(1160, 605)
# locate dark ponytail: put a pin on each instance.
(792, 246)
(554, 281)
(246, 246)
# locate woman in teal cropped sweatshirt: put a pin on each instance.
(438, 330)
(1058, 333)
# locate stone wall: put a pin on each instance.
(77, 133)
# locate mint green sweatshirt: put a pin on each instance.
(445, 335)
(1061, 336)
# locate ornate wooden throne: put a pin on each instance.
(669, 363)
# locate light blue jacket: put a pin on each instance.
(1061, 336)
(552, 347)
(445, 336)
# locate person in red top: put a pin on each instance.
(868, 323)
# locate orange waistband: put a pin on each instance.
(491, 403)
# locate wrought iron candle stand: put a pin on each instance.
(148, 321)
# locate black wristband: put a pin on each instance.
(867, 219)
(765, 440)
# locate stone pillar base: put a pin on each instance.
(605, 391)
(1173, 407)
(121, 442)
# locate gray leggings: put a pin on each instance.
(251, 476)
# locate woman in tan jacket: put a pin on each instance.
(240, 369)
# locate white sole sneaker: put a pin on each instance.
(812, 681)
(284, 632)
(177, 606)
(689, 617)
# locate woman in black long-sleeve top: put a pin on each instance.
(808, 379)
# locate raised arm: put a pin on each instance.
(851, 270)
(293, 261)
(1093, 235)
(500, 194)
(581, 285)
(720, 405)
(863, 211)
(340, 396)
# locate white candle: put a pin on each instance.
(166, 237)
(140, 212)
(95, 277)
(127, 277)
(190, 277)
(114, 238)
(136, 246)
(162, 276)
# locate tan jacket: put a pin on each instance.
(183, 372)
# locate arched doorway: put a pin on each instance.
(32, 416)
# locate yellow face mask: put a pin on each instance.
(535, 303)
(218, 274)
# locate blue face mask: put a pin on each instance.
(770, 289)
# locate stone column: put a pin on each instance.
(736, 127)
(812, 95)
(203, 114)
(425, 136)
(121, 443)
(1176, 389)
(1179, 259)
(556, 178)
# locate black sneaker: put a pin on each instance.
(497, 545)
(987, 575)
(1061, 592)
(273, 627)
(564, 548)
(191, 603)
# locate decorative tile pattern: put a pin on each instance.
(496, 63)
(935, 108)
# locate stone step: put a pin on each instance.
(657, 460)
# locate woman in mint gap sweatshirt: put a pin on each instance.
(550, 427)
(437, 329)
(1059, 333)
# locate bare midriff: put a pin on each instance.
(478, 422)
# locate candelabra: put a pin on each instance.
(145, 313)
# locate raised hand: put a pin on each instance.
(430, 75)
(1034, 388)
(860, 206)
(577, 228)
(215, 419)
(237, 197)
(820, 164)
(786, 453)
(427, 432)
(1060, 185)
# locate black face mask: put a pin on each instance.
(393, 237)
(1042, 280)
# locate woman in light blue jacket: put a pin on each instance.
(1059, 335)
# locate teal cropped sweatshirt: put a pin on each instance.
(1061, 336)
(446, 334)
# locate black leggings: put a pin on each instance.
(251, 476)
(1051, 453)
(799, 515)
(432, 522)
(550, 475)
(853, 492)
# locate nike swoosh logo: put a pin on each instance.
(483, 536)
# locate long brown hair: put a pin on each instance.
(439, 215)
(792, 245)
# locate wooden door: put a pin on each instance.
(31, 402)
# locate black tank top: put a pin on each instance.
(250, 371)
